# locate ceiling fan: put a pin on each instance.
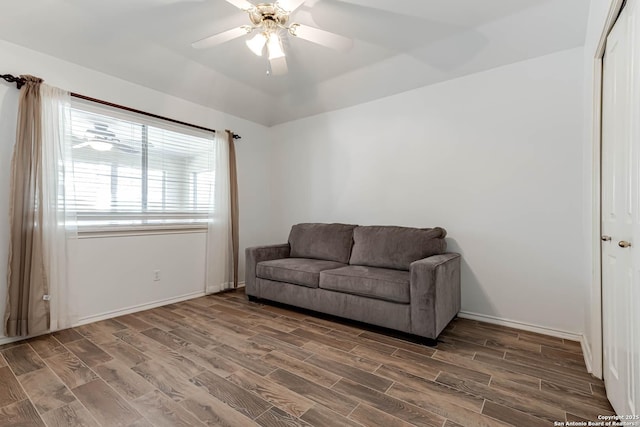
(101, 138)
(271, 21)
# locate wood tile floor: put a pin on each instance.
(223, 361)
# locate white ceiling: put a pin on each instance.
(398, 45)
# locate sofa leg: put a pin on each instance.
(429, 342)
(251, 298)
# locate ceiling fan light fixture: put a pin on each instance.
(274, 44)
(257, 43)
(99, 145)
(271, 21)
(100, 138)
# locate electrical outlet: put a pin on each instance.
(156, 275)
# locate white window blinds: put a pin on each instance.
(131, 170)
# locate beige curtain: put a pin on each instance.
(27, 312)
(233, 192)
(222, 233)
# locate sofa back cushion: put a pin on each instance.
(331, 242)
(395, 247)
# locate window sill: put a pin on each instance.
(147, 230)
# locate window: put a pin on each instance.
(133, 171)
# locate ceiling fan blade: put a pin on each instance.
(279, 66)
(290, 5)
(321, 37)
(170, 2)
(220, 38)
(241, 4)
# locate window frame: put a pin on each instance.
(150, 222)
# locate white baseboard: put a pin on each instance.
(224, 287)
(522, 325)
(136, 308)
(586, 352)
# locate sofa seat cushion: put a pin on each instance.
(372, 282)
(395, 247)
(298, 271)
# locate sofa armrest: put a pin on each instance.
(258, 254)
(435, 293)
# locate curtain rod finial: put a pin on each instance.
(19, 81)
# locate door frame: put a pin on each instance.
(597, 347)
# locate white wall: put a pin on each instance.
(115, 273)
(495, 158)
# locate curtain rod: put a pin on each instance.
(144, 113)
(19, 81)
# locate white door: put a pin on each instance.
(621, 213)
(632, 393)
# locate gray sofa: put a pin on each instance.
(394, 277)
